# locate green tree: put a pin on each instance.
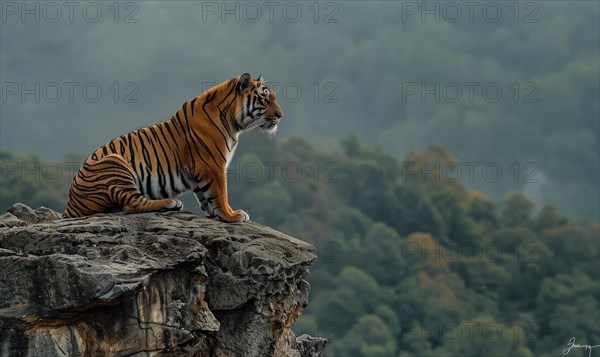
(516, 211)
(564, 291)
(484, 336)
(370, 336)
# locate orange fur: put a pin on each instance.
(143, 170)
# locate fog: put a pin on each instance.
(510, 89)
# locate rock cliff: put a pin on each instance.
(149, 284)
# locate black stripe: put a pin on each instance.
(159, 171)
(168, 166)
(206, 147)
(224, 112)
(176, 150)
(145, 153)
(132, 155)
(142, 175)
(203, 188)
(188, 134)
(149, 192)
(192, 105)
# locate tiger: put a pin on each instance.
(144, 170)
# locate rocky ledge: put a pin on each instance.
(149, 284)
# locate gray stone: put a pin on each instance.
(8, 219)
(311, 346)
(46, 214)
(23, 212)
(157, 283)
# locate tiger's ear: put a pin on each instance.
(244, 83)
(260, 79)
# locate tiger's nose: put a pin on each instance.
(278, 114)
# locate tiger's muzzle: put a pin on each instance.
(270, 122)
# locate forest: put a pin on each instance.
(409, 264)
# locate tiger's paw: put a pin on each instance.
(174, 205)
(243, 214)
(238, 216)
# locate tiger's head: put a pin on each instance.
(259, 107)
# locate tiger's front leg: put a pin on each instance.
(213, 199)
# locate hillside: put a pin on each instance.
(409, 259)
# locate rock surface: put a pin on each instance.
(149, 284)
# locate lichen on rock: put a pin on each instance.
(156, 283)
